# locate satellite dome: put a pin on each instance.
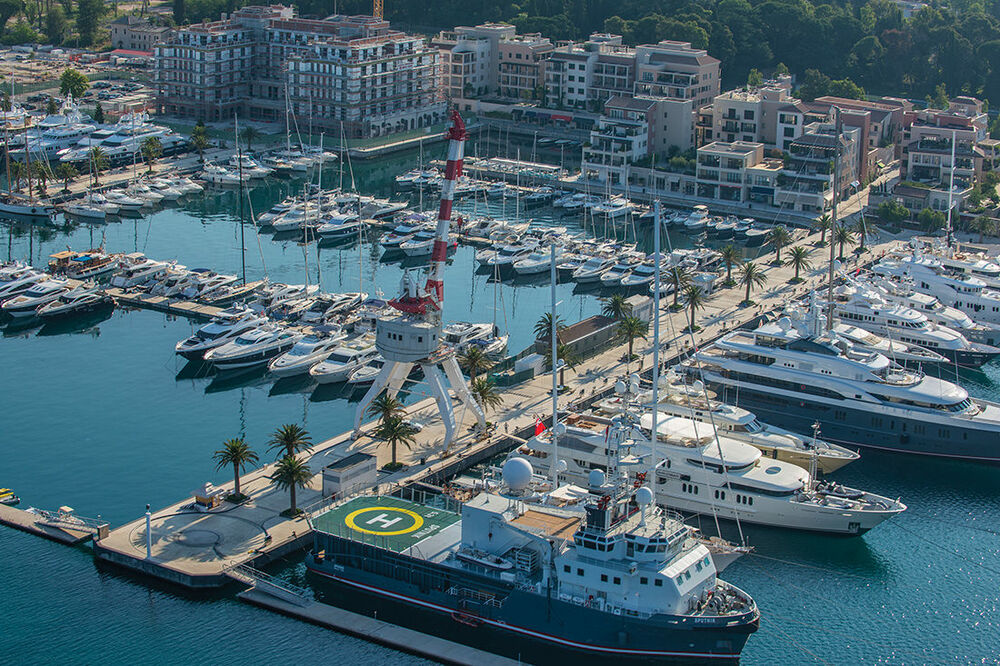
(620, 387)
(517, 473)
(596, 478)
(698, 386)
(644, 496)
(785, 324)
(560, 429)
(562, 466)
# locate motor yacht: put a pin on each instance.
(340, 226)
(205, 282)
(249, 167)
(137, 269)
(343, 360)
(273, 294)
(794, 374)
(318, 343)
(504, 256)
(325, 306)
(84, 299)
(19, 282)
(82, 265)
(125, 201)
(697, 219)
(592, 270)
(460, 334)
(639, 276)
(26, 303)
(539, 261)
(618, 270)
(422, 244)
(253, 348)
(367, 373)
(224, 327)
(215, 174)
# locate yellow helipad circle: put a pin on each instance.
(418, 520)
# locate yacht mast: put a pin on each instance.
(554, 462)
(6, 154)
(239, 157)
(833, 224)
(654, 435)
(951, 189)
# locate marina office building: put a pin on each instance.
(350, 72)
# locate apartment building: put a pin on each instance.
(622, 137)
(134, 33)
(521, 66)
(807, 178)
(674, 70)
(768, 115)
(585, 75)
(723, 169)
(344, 72)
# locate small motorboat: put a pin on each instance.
(84, 299)
(8, 497)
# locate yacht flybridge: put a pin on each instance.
(795, 373)
(224, 327)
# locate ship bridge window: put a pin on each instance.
(658, 582)
(712, 467)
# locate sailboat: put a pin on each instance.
(16, 206)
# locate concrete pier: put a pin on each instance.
(377, 631)
(174, 306)
(34, 524)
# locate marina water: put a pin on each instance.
(103, 417)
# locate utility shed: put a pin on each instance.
(351, 473)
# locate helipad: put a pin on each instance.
(389, 521)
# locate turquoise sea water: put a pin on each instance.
(105, 418)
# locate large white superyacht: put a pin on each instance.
(794, 374)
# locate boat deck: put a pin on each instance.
(390, 522)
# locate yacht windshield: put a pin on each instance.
(340, 357)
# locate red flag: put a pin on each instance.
(539, 426)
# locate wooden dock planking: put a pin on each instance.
(378, 631)
(20, 519)
(183, 308)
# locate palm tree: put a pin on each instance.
(152, 150)
(862, 231)
(984, 225)
(289, 474)
(289, 439)
(235, 452)
(843, 235)
(694, 299)
(248, 134)
(66, 172)
(41, 172)
(474, 360)
(395, 431)
(543, 327)
(615, 307)
(486, 394)
(384, 406)
(98, 163)
(778, 237)
(629, 329)
(823, 224)
(199, 140)
(799, 258)
(730, 255)
(17, 172)
(569, 358)
(679, 277)
(751, 275)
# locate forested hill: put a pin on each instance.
(868, 42)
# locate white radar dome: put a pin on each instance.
(562, 466)
(620, 387)
(560, 429)
(517, 473)
(644, 496)
(596, 478)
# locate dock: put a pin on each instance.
(44, 525)
(376, 631)
(175, 306)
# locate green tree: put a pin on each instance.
(779, 237)
(152, 150)
(88, 16)
(615, 307)
(56, 25)
(98, 114)
(798, 257)
(931, 220)
(22, 33)
(843, 236)
(630, 329)
(751, 275)
(823, 225)
(237, 454)
(694, 300)
(474, 360)
(679, 277)
(570, 359)
(892, 211)
(730, 255)
(984, 225)
(755, 79)
(5, 104)
(861, 229)
(543, 327)
(179, 14)
(73, 83)
(199, 139)
(40, 170)
(51, 108)
(8, 9)
(66, 172)
(486, 394)
(249, 134)
(395, 431)
(384, 406)
(289, 439)
(98, 163)
(289, 474)
(781, 70)
(939, 100)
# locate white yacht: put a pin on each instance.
(639, 276)
(125, 201)
(461, 334)
(539, 261)
(505, 255)
(367, 373)
(83, 299)
(312, 349)
(343, 360)
(224, 327)
(697, 220)
(20, 280)
(339, 226)
(40, 293)
(900, 352)
(136, 269)
(863, 306)
(273, 294)
(325, 306)
(701, 470)
(422, 244)
(592, 270)
(249, 167)
(794, 374)
(613, 276)
(252, 348)
(216, 174)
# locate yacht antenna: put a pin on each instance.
(951, 191)
(654, 434)
(833, 225)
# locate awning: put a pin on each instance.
(756, 189)
(567, 119)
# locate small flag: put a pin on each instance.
(539, 426)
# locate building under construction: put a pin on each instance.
(350, 72)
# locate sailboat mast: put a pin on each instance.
(6, 154)
(27, 162)
(654, 435)
(554, 463)
(833, 223)
(951, 189)
(239, 157)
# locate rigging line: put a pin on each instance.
(809, 566)
(800, 646)
(944, 548)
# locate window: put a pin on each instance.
(579, 572)
(617, 581)
(643, 581)
(604, 578)
(567, 568)
(658, 582)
